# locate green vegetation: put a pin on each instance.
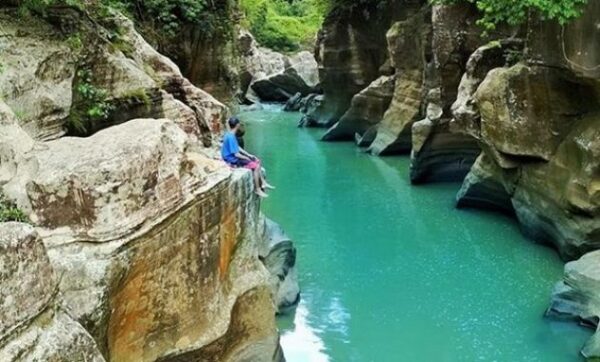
(90, 104)
(10, 212)
(284, 25)
(167, 16)
(515, 12)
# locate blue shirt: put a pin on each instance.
(230, 148)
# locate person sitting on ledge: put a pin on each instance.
(236, 156)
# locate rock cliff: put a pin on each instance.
(523, 103)
(537, 123)
(146, 247)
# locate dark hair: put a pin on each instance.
(233, 121)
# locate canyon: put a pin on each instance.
(139, 244)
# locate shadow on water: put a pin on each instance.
(391, 272)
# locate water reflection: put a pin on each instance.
(301, 343)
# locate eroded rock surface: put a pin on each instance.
(279, 256)
(539, 130)
(33, 325)
(394, 131)
(351, 50)
(42, 78)
(366, 110)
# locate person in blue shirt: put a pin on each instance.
(235, 156)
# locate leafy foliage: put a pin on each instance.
(284, 25)
(10, 212)
(514, 12)
(91, 104)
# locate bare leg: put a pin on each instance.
(264, 184)
(257, 183)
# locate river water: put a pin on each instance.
(393, 272)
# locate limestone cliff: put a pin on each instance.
(149, 248)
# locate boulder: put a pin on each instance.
(33, 326)
(577, 298)
(306, 66)
(280, 87)
(256, 63)
(526, 111)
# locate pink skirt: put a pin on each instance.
(252, 165)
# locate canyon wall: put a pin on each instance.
(144, 245)
(514, 116)
(519, 105)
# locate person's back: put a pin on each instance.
(230, 148)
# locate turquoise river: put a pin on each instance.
(393, 272)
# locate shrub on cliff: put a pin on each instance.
(515, 12)
(9, 211)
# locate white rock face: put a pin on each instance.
(307, 67)
(271, 76)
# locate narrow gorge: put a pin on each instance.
(436, 165)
